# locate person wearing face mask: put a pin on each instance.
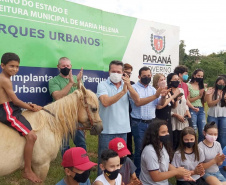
(113, 95)
(191, 157)
(110, 165)
(156, 156)
(77, 167)
(62, 85)
(143, 111)
(127, 168)
(197, 98)
(179, 111)
(214, 156)
(215, 98)
(164, 111)
(182, 72)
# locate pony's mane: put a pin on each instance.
(66, 115)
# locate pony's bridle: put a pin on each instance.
(86, 106)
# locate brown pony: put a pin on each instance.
(80, 106)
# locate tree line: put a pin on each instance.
(213, 64)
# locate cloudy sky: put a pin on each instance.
(202, 22)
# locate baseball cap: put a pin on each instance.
(119, 145)
(77, 157)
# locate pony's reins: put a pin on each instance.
(48, 111)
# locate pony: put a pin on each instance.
(56, 121)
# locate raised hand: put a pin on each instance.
(126, 79)
(158, 92)
(125, 88)
(70, 77)
(164, 91)
(79, 76)
(210, 90)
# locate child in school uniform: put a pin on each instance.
(189, 156)
(214, 156)
(156, 155)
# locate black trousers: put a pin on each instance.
(200, 181)
(130, 142)
(176, 139)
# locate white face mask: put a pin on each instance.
(115, 77)
(210, 138)
(162, 84)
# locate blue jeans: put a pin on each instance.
(103, 142)
(217, 174)
(138, 130)
(78, 140)
(198, 122)
(221, 124)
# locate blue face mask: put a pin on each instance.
(185, 77)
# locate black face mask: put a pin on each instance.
(82, 177)
(123, 160)
(145, 80)
(65, 71)
(189, 144)
(112, 175)
(198, 79)
(165, 139)
(174, 84)
(220, 86)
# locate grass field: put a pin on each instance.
(56, 171)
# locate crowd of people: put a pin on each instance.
(166, 121)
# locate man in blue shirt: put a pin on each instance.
(114, 106)
(143, 111)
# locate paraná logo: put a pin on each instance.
(158, 41)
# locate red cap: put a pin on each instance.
(78, 158)
(119, 145)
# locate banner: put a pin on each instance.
(43, 31)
